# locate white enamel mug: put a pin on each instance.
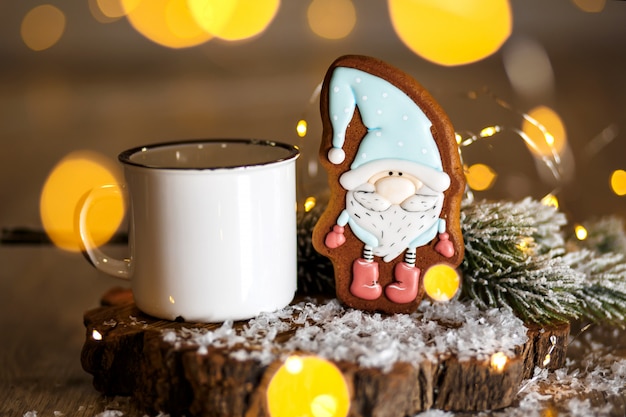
(212, 228)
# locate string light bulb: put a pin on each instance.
(498, 361)
(309, 203)
(581, 232)
(301, 128)
(548, 358)
(550, 200)
(490, 131)
(525, 244)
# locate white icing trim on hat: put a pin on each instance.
(435, 180)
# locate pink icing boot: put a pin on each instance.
(404, 289)
(365, 280)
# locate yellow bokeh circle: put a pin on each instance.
(618, 182)
(480, 177)
(65, 191)
(452, 32)
(441, 282)
(233, 20)
(331, 19)
(112, 8)
(42, 27)
(546, 130)
(166, 22)
(308, 386)
(590, 6)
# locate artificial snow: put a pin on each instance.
(435, 413)
(372, 340)
(110, 413)
(591, 385)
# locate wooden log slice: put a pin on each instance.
(225, 369)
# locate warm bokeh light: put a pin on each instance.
(480, 177)
(544, 128)
(115, 8)
(525, 244)
(590, 6)
(233, 20)
(308, 386)
(550, 200)
(441, 282)
(546, 360)
(42, 27)
(309, 203)
(489, 131)
(64, 192)
(98, 14)
(528, 67)
(212, 15)
(618, 182)
(107, 11)
(452, 32)
(331, 19)
(580, 232)
(301, 128)
(498, 361)
(165, 22)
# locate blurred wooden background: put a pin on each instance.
(104, 87)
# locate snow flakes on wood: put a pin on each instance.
(334, 332)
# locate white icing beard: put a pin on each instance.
(394, 225)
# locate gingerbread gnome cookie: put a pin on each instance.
(396, 184)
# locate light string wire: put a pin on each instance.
(552, 161)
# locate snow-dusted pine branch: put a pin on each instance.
(516, 257)
(603, 293)
(512, 259)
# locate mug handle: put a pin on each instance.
(119, 268)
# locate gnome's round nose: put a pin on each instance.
(395, 188)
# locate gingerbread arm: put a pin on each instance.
(336, 238)
(444, 246)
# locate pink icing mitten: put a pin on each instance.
(444, 246)
(335, 238)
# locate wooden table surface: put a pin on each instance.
(43, 294)
(45, 291)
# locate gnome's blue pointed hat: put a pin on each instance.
(398, 132)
